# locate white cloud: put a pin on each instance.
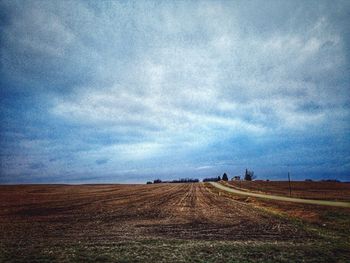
(204, 167)
(124, 151)
(229, 82)
(179, 76)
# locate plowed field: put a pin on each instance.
(162, 222)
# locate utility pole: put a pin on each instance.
(290, 187)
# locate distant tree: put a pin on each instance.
(181, 180)
(331, 180)
(225, 177)
(157, 181)
(219, 178)
(214, 179)
(249, 175)
(185, 180)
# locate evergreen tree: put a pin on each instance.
(224, 177)
(249, 175)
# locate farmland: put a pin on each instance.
(164, 223)
(314, 190)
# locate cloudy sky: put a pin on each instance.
(131, 91)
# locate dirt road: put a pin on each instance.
(281, 198)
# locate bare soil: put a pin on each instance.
(185, 211)
(37, 219)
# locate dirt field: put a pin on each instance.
(312, 190)
(160, 223)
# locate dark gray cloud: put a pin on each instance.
(101, 161)
(35, 166)
(142, 87)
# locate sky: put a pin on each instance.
(131, 91)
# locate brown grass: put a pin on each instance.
(311, 190)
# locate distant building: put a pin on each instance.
(236, 178)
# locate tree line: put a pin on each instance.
(248, 176)
(181, 180)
